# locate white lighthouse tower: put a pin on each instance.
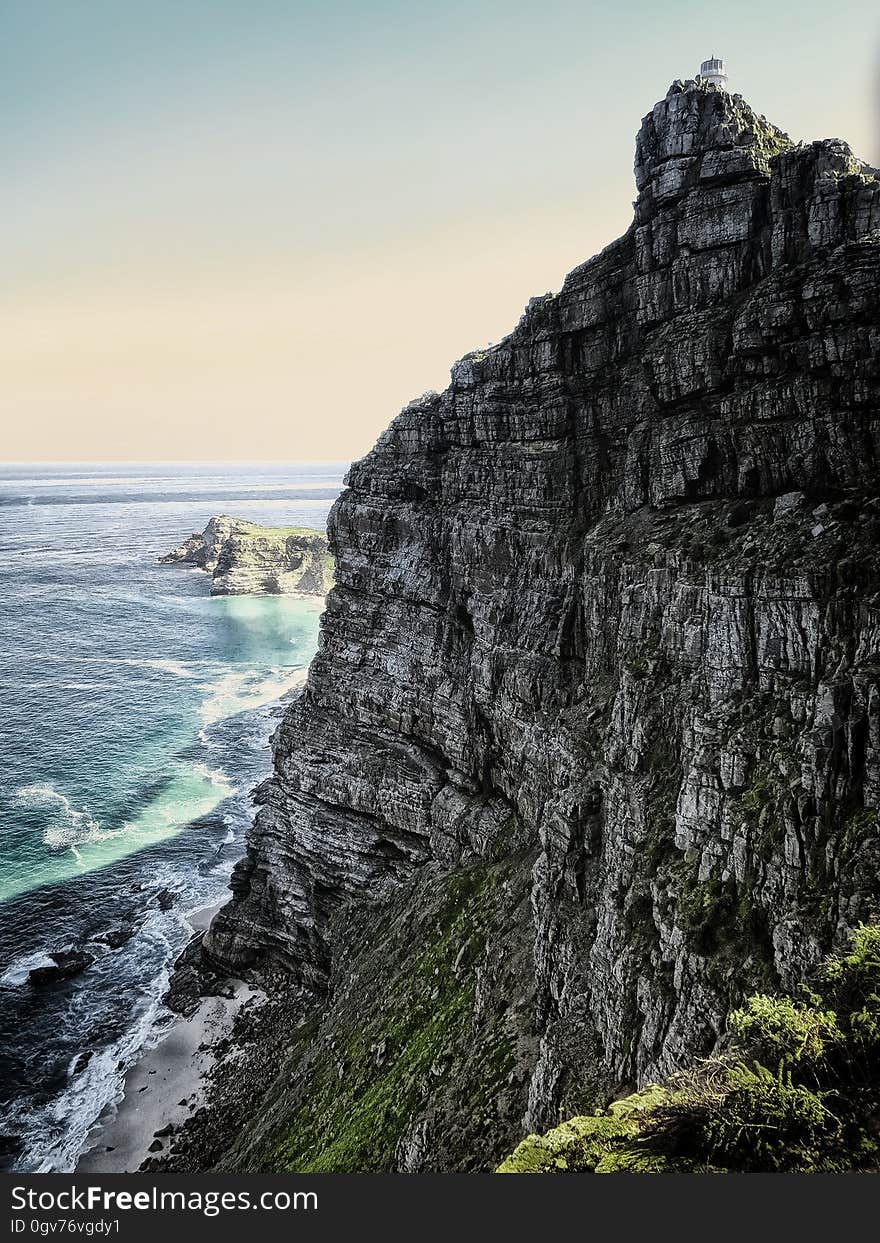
(712, 70)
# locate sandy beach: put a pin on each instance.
(166, 1085)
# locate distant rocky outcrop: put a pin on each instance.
(244, 558)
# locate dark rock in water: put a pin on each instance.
(193, 551)
(116, 937)
(156, 1146)
(165, 1131)
(82, 1061)
(165, 899)
(105, 1031)
(66, 963)
(184, 994)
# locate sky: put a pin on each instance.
(255, 229)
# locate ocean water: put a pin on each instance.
(135, 718)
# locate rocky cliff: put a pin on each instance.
(591, 746)
(244, 558)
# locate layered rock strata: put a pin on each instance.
(244, 558)
(608, 609)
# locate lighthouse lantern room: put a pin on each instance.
(712, 70)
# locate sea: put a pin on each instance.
(135, 720)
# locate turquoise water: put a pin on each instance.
(103, 745)
(137, 713)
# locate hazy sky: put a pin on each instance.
(256, 228)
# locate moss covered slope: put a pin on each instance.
(423, 1045)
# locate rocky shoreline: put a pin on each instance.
(243, 1056)
(170, 1081)
(185, 1100)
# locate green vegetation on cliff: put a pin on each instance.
(245, 529)
(374, 1076)
(421, 1051)
(799, 1090)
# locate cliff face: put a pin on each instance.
(244, 558)
(606, 616)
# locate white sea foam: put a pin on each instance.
(58, 1133)
(168, 666)
(17, 972)
(216, 776)
(176, 667)
(246, 689)
(192, 791)
(68, 826)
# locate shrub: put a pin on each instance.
(767, 1122)
(810, 1101)
(851, 981)
(782, 1031)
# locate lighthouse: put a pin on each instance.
(712, 70)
